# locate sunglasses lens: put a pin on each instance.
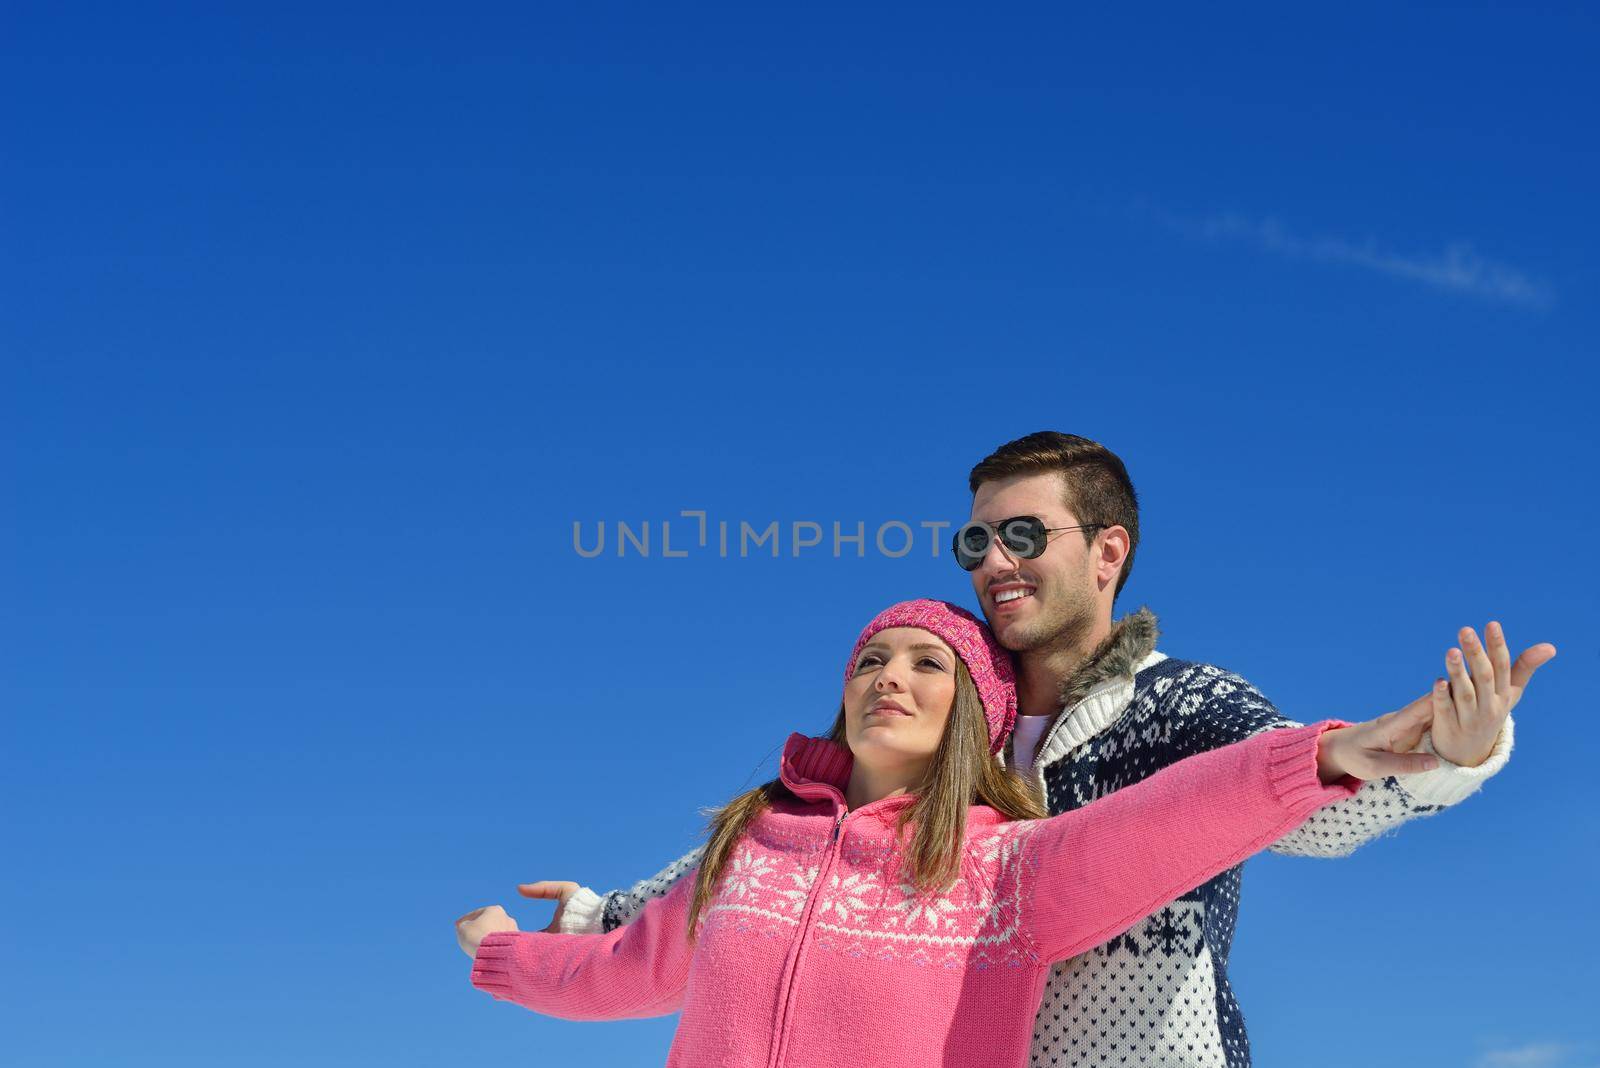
(1024, 536)
(971, 544)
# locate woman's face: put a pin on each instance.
(898, 700)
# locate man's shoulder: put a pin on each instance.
(1172, 673)
(1185, 689)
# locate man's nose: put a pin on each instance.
(996, 562)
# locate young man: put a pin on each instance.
(1049, 545)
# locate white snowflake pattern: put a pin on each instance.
(913, 908)
(794, 898)
(846, 898)
(745, 874)
(997, 855)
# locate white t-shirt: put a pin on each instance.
(1025, 738)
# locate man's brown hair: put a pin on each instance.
(1099, 490)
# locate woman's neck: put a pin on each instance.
(869, 784)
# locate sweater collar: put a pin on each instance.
(1099, 689)
(815, 769)
(818, 769)
(1118, 656)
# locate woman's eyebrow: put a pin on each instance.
(879, 646)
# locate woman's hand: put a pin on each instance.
(1465, 714)
(1379, 747)
(1469, 711)
(551, 889)
(471, 928)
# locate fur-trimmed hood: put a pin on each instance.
(1132, 638)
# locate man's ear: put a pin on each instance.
(1111, 554)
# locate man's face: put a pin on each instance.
(1049, 600)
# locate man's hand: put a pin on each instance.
(550, 890)
(1469, 710)
(1379, 747)
(472, 927)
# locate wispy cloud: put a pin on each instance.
(1457, 269)
(1529, 1055)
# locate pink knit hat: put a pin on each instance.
(987, 663)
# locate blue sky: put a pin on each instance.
(323, 328)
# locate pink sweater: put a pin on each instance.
(814, 952)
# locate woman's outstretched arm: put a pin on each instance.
(1090, 874)
(634, 971)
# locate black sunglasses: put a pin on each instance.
(1024, 536)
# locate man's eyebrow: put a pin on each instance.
(1037, 513)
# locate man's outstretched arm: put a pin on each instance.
(1339, 829)
(579, 910)
(1474, 726)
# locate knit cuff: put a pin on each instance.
(583, 912)
(1449, 784)
(1292, 768)
(494, 964)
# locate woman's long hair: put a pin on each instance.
(962, 773)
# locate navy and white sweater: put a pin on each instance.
(1157, 994)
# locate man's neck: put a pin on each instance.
(1041, 672)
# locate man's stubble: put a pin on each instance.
(1070, 615)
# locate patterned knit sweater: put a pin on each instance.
(1158, 994)
(816, 952)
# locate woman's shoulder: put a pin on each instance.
(986, 820)
(792, 814)
(992, 834)
(797, 814)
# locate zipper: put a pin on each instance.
(780, 1038)
(1044, 744)
(1049, 736)
(1066, 714)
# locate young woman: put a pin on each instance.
(894, 897)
